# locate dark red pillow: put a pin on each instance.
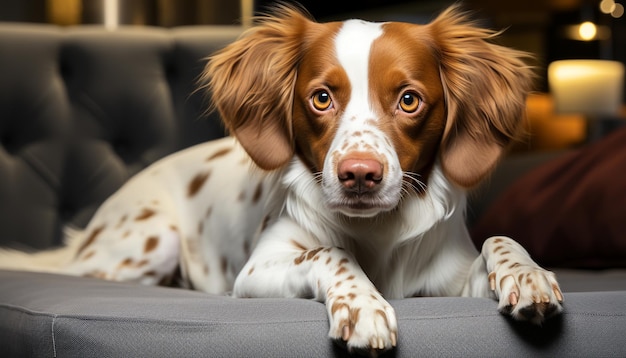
(569, 212)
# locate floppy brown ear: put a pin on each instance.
(485, 87)
(251, 82)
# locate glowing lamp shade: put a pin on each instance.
(590, 87)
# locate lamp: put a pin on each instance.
(592, 88)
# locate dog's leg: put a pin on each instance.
(524, 290)
(288, 262)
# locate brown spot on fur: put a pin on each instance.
(298, 245)
(340, 271)
(145, 214)
(258, 192)
(90, 239)
(339, 283)
(196, 184)
(329, 260)
(242, 196)
(505, 253)
(497, 241)
(122, 221)
(142, 263)
(312, 253)
(354, 317)
(174, 228)
(127, 262)
(514, 265)
(382, 314)
(520, 278)
(529, 280)
(502, 261)
(251, 271)
(306, 255)
(337, 306)
(498, 248)
(351, 295)
(151, 244)
(220, 153)
(343, 261)
(88, 255)
(126, 234)
(150, 273)
(351, 277)
(96, 274)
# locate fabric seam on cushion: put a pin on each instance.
(121, 319)
(54, 344)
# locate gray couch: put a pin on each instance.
(82, 109)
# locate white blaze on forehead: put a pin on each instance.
(358, 130)
(352, 45)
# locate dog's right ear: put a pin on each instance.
(252, 80)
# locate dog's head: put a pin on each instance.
(371, 107)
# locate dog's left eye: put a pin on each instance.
(321, 101)
(409, 102)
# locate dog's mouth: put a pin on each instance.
(360, 205)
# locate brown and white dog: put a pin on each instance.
(355, 145)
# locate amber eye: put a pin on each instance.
(321, 101)
(409, 102)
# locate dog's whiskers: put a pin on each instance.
(412, 183)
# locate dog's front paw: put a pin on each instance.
(527, 293)
(363, 321)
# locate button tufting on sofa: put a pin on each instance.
(82, 109)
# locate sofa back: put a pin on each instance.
(83, 108)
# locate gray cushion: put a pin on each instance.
(48, 315)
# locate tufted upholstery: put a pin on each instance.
(83, 108)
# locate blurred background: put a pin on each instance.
(549, 29)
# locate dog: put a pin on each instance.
(344, 181)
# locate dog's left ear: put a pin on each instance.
(485, 87)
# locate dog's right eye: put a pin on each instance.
(321, 101)
(410, 102)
